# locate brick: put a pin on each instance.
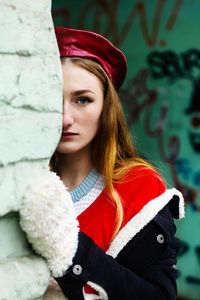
(31, 83)
(15, 178)
(31, 32)
(28, 136)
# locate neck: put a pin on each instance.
(74, 168)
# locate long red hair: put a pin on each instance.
(113, 152)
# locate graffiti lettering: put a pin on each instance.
(104, 10)
(184, 169)
(171, 65)
(108, 11)
(173, 16)
(197, 179)
(138, 99)
(186, 247)
(137, 96)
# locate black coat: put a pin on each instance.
(145, 268)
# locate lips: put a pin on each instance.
(68, 133)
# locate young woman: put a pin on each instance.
(114, 237)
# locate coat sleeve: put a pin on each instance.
(144, 269)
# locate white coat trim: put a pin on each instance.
(102, 293)
(148, 212)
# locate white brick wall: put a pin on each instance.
(30, 124)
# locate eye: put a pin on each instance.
(83, 100)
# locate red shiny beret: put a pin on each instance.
(88, 44)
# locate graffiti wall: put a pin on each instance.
(161, 96)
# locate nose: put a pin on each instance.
(67, 116)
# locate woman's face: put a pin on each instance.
(82, 107)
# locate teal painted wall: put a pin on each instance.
(161, 41)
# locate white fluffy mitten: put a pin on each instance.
(47, 216)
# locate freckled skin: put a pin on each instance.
(82, 107)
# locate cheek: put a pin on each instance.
(92, 118)
(96, 117)
(91, 124)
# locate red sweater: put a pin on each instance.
(136, 189)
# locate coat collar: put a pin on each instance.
(146, 214)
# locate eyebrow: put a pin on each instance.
(80, 92)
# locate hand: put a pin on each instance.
(47, 216)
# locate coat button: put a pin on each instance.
(174, 267)
(160, 239)
(77, 269)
